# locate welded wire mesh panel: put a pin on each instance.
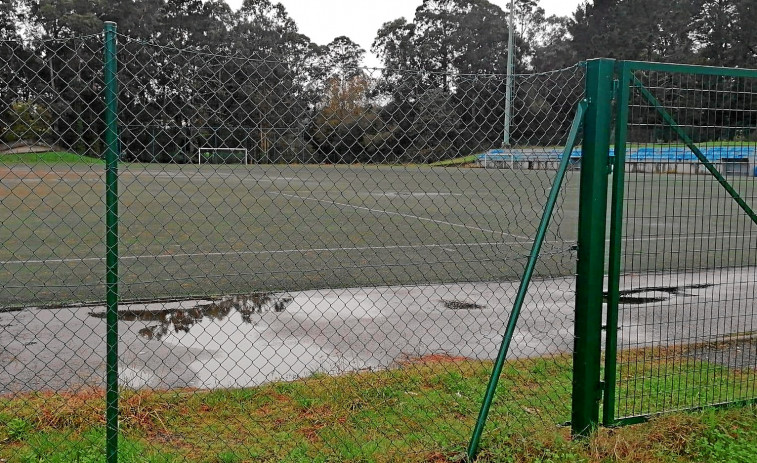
(338, 295)
(687, 290)
(51, 229)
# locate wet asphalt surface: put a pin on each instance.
(253, 339)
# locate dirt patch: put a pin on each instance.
(438, 457)
(316, 418)
(23, 147)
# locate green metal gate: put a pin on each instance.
(680, 324)
(674, 276)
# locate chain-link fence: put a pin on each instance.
(314, 264)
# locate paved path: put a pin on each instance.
(245, 341)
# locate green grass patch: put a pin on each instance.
(421, 411)
(455, 162)
(86, 447)
(52, 157)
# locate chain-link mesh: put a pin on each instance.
(51, 256)
(315, 264)
(688, 278)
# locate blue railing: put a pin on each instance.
(644, 154)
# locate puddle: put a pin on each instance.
(462, 305)
(640, 296)
(181, 319)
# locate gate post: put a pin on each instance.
(592, 217)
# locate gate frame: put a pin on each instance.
(624, 82)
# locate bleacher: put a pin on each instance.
(736, 158)
(684, 154)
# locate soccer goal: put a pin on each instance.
(222, 156)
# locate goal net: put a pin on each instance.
(222, 156)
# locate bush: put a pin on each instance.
(27, 121)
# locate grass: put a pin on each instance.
(53, 157)
(455, 162)
(421, 411)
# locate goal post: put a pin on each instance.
(211, 155)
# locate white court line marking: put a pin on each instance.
(408, 216)
(279, 251)
(342, 249)
(395, 194)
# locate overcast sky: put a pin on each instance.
(323, 20)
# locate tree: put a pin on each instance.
(9, 19)
(657, 30)
(27, 121)
(342, 57)
(746, 32)
(436, 23)
(481, 41)
(394, 45)
(726, 32)
(339, 132)
(446, 38)
(553, 49)
(59, 19)
(344, 115)
(265, 30)
(195, 24)
(269, 88)
(530, 20)
(135, 18)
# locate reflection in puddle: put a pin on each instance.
(183, 319)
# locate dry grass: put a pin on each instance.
(422, 411)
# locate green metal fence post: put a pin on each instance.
(525, 281)
(616, 241)
(587, 388)
(111, 242)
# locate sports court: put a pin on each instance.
(240, 228)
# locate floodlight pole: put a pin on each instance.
(509, 83)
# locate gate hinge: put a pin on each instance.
(601, 391)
